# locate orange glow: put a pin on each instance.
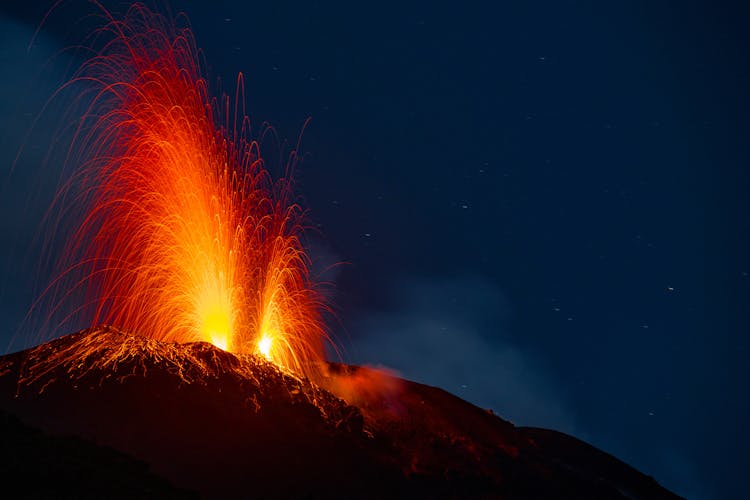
(264, 347)
(184, 235)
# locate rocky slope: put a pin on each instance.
(222, 425)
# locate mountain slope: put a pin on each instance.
(227, 426)
(38, 465)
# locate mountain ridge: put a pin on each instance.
(226, 425)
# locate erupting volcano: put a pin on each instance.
(202, 366)
(183, 234)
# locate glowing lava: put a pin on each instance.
(184, 235)
(264, 346)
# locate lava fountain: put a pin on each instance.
(183, 234)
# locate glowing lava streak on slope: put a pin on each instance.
(184, 236)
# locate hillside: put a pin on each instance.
(222, 425)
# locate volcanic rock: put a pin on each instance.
(224, 425)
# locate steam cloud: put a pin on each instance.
(451, 333)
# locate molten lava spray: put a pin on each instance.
(185, 236)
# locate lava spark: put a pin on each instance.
(184, 235)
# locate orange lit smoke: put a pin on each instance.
(185, 236)
(374, 390)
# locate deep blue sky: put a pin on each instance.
(542, 205)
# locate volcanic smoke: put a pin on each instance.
(184, 234)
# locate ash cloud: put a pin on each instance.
(452, 334)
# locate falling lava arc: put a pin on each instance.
(183, 234)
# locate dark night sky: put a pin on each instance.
(541, 205)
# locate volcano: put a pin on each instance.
(140, 417)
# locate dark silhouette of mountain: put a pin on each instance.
(223, 425)
(43, 466)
